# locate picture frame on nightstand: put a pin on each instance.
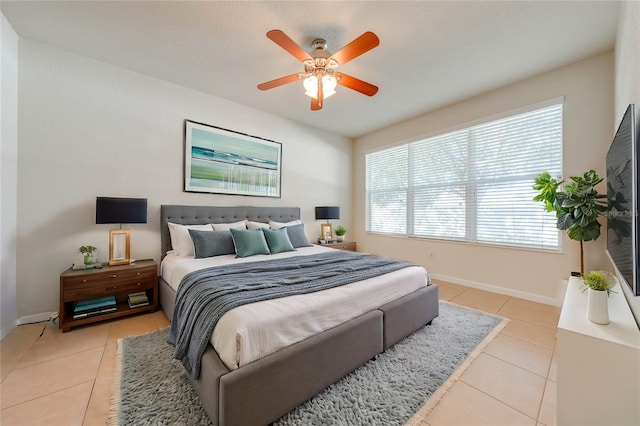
(326, 231)
(119, 247)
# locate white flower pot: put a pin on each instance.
(340, 238)
(598, 308)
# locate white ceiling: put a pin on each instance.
(431, 54)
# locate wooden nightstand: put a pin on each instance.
(118, 281)
(347, 245)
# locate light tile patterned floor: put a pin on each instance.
(65, 379)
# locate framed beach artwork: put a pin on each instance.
(224, 161)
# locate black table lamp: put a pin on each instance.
(120, 210)
(327, 213)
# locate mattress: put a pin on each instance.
(250, 332)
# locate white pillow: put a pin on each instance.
(242, 224)
(181, 240)
(256, 225)
(278, 225)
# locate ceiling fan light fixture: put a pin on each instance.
(321, 64)
(329, 84)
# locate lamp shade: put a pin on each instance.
(121, 210)
(326, 213)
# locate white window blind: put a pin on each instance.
(473, 184)
(387, 185)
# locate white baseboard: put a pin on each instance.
(30, 319)
(7, 329)
(501, 290)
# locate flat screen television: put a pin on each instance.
(623, 230)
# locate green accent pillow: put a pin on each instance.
(278, 240)
(249, 242)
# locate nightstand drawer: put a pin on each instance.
(347, 245)
(99, 279)
(344, 246)
(79, 293)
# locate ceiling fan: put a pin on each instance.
(320, 75)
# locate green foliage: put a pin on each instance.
(548, 188)
(597, 280)
(87, 250)
(340, 230)
(577, 207)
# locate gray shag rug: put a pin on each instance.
(151, 388)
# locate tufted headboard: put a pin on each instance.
(199, 215)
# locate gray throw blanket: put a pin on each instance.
(204, 296)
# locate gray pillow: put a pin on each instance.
(278, 240)
(211, 243)
(249, 242)
(297, 236)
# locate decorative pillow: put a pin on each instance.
(212, 243)
(249, 242)
(242, 224)
(277, 240)
(297, 236)
(256, 225)
(181, 240)
(278, 225)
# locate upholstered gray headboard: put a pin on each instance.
(198, 215)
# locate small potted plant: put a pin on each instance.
(340, 233)
(87, 251)
(599, 285)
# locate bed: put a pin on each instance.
(249, 389)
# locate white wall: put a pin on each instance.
(627, 83)
(90, 129)
(8, 176)
(587, 88)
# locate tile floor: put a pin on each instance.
(65, 379)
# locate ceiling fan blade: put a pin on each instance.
(357, 47)
(320, 92)
(283, 40)
(315, 105)
(278, 82)
(356, 84)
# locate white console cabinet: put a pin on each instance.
(598, 365)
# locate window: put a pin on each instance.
(473, 184)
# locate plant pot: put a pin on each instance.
(88, 259)
(598, 308)
(340, 238)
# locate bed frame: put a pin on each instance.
(261, 392)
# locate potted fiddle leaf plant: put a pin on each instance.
(340, 233)
(599, 284)
(87, 251)
(576, 204)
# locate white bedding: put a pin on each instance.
(252, 331)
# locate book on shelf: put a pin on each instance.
(94, 312)
(91, 304)
(138, 299)
(138, 304)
